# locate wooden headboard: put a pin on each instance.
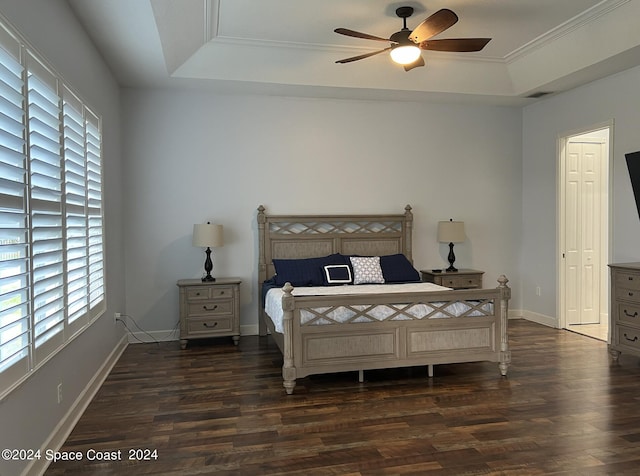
(310, 236)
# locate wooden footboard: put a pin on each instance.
(314, 343)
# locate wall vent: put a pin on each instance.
(539, 94)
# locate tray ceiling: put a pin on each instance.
(289, 47)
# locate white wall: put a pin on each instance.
(30, 415)
(614, 98)
(196, 156)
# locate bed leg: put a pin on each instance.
(430, 370)
(360, 376)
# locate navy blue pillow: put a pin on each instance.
(303, 272)
(398, 269)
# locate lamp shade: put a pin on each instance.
(451, 231)
(208, 235)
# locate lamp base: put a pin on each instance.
(208, 267)
(452, 259)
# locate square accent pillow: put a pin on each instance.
(367, 270)
(337, 274)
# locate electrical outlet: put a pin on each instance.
(60, 392)
(116, 316)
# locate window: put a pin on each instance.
(51, 216)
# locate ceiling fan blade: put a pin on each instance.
(415, 64)
(436, 23)
(366, 55)
(455, 44)
(357, 34)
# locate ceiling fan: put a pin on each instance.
(406, 44)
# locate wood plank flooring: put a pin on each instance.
(214, 408)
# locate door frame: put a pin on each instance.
(607, 237)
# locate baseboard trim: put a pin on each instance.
(64, 428)
(174, 335)
(541, 319)
(153, 336)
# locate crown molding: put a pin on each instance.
(579, 21)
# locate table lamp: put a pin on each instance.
(451, 232)
(210, 236)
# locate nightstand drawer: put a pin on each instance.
(210, 308)
(202, 293)
(461, 282)
(208, 326)
(626, 294)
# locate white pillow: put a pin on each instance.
(367, 270)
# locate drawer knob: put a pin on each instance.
(626, 313)
(630, 340)
(630, 278)
(206, 324)
(630, 294)
(210, 309)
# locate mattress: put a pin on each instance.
(343, 314)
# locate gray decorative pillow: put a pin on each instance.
(367, 270)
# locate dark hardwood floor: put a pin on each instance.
(214, 408)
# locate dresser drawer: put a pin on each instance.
(628, 280)
(626, 294)
(628, 313)
(628, 337)
(209, 326)
(210, 308)
(203, 293)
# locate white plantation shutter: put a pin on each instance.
(43, 115)
(14, 239)
(51, 215)
(76, 208)
(95, 213)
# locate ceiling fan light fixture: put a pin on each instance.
(405, 54)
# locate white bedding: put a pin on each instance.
(273, 304)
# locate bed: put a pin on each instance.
(341, 328)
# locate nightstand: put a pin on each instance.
(209, 309)
(461, 279)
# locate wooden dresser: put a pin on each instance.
(624, 320)
(209, 309)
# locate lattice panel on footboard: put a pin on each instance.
(362, 313)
